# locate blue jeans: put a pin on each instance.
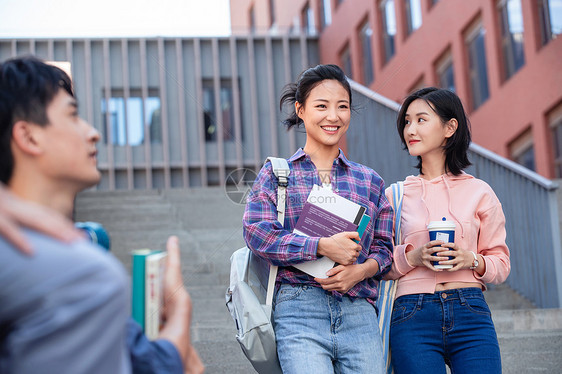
(452, 327)
(317, 332)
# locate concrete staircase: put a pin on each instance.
(209, 227)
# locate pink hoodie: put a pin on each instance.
(473, 206)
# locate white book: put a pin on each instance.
(155, 266)
(325, 213)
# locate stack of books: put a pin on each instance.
(325, 214)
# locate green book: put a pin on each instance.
(139, 284)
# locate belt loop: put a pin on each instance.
(461, 296)
(420, 301)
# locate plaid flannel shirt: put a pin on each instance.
(276, 243)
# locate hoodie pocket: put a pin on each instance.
(470, 233)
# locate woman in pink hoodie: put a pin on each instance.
(440, 316)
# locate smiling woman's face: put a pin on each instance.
(326, 114)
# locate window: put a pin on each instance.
(550, 19)
(326, 9)
(445, 73)
(522, 151)
(307, 16)
(477, 66)
(129, 118)
(272, 12)
(226, 112)
(252, 18)
(511, 21)
(413, 15)
(557, 136)
(345, 58)
(388, 28)
(365, 36)
(555, 122)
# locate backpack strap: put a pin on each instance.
(281, 171)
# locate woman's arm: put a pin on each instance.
(264, 234)
(492, 247)
(400, 265)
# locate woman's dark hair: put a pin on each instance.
(27, 87)
(446, 105)
(308, 79)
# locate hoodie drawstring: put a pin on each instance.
(424, 203)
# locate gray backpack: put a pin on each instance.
(250, 294)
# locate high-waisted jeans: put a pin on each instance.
(452, 327)
(317, 332)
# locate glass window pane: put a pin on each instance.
(550, 17)
(346, 62)
(135, 128)
(388, 28)
(413, 9)
(308, 20)
(511, 20)
(557, 138)
(446, 77)
(326, 18)
(555, 10)
(153, 115)
(209, 112)
(127, 127)
(226, 113)
(366, 39)
(527, 158)
(478, 69)
(272, 12)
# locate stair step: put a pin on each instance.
(527, 320)
(504, 297)
(209, 226)
(223, 357)
(531, 352)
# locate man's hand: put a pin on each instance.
(15, 213)
(177, 311)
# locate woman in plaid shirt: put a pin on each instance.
(323, 325)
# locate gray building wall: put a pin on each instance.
(190, 110)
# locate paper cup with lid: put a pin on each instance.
(445, 231)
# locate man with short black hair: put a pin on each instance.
(65, 308)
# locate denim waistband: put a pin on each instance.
(454, 294)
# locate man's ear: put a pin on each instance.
(451, 127)
(26, 137)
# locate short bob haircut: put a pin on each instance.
(446, 105)
(308, 79)
(27, 87)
